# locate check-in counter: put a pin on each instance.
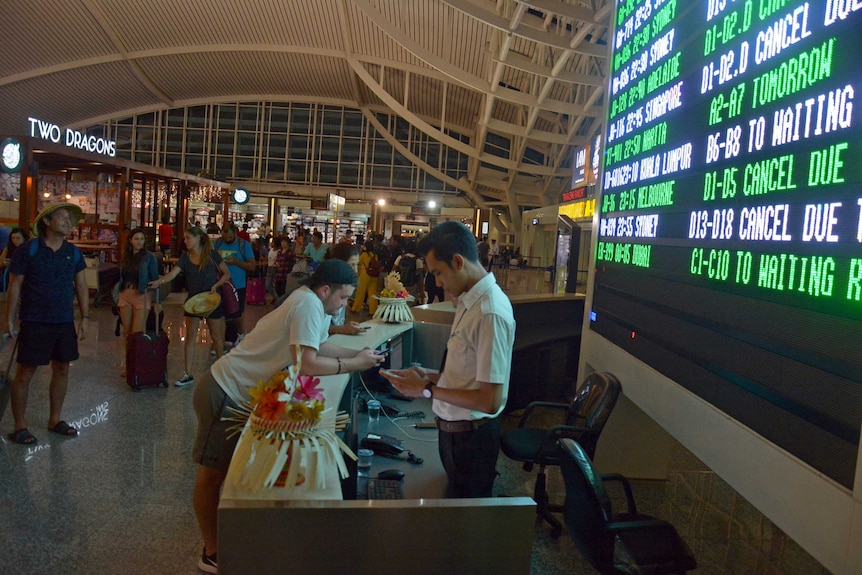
(272, 531)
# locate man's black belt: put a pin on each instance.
(461, 426)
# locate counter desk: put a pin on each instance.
(276, 531)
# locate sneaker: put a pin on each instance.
(184, 381)
(208, 563)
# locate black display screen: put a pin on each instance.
(729, 251)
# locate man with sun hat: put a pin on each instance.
(44, 280)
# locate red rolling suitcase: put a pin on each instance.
(255, 291)
(147, 358)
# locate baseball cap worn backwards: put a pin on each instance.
(75, 214)
(332, 272)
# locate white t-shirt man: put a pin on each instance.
(266, 350)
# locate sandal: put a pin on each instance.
(22, 437)
(64, 429)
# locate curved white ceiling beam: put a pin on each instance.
(108, 29)
(459, 75)
(521, 62)
(538, 36)
(403, 150)
(437, 134)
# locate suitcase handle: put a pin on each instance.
(158, 296)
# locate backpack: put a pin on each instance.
(407, 269)
(239, 250)
(382, 252)
(373, 268)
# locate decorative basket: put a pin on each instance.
(284, 427)
(267, 428)
(394, 309)
(271, 453)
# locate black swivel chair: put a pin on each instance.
(616, 543)
(585, 417)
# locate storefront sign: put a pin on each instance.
(424, 209)
(335, 203)
(578, 210)
(12, 157)
(72, 138)
(572, 195)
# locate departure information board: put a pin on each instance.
(729, 252)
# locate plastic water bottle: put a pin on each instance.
(363, 462)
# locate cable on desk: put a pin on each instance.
(400, 428)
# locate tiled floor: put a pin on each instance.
(117, 499)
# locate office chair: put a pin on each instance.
(585, 417)
(616, 543)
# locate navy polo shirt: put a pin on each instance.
(48, 291)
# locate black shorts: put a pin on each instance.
(240, 293)
(41, 343)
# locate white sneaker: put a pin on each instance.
(185, 380)
(208, 563)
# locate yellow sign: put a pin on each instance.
(578, 210)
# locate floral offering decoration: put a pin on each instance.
(392, 286)
(289, 397)
(393, 300)
(287, 430)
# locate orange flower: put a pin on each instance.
(278, 379)
(269, 407)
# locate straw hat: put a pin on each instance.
(202, 304)
(74, 210)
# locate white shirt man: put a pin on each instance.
(471, 388)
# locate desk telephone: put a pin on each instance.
(383, 444)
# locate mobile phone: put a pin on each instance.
(386, 351)
(364, 327)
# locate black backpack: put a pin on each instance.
(382, 252)
(407, 269)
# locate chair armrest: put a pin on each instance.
(627, 488)
(536, 404)
(553, 435)
(641, 525)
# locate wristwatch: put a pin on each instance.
(428, 392)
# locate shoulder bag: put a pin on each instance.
(229, 295)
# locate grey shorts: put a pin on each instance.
(212, 447)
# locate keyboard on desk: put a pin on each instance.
(384, 489)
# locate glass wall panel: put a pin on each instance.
(197, 117)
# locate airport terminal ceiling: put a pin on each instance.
(512, 87)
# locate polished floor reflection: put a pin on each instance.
(117, 499)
